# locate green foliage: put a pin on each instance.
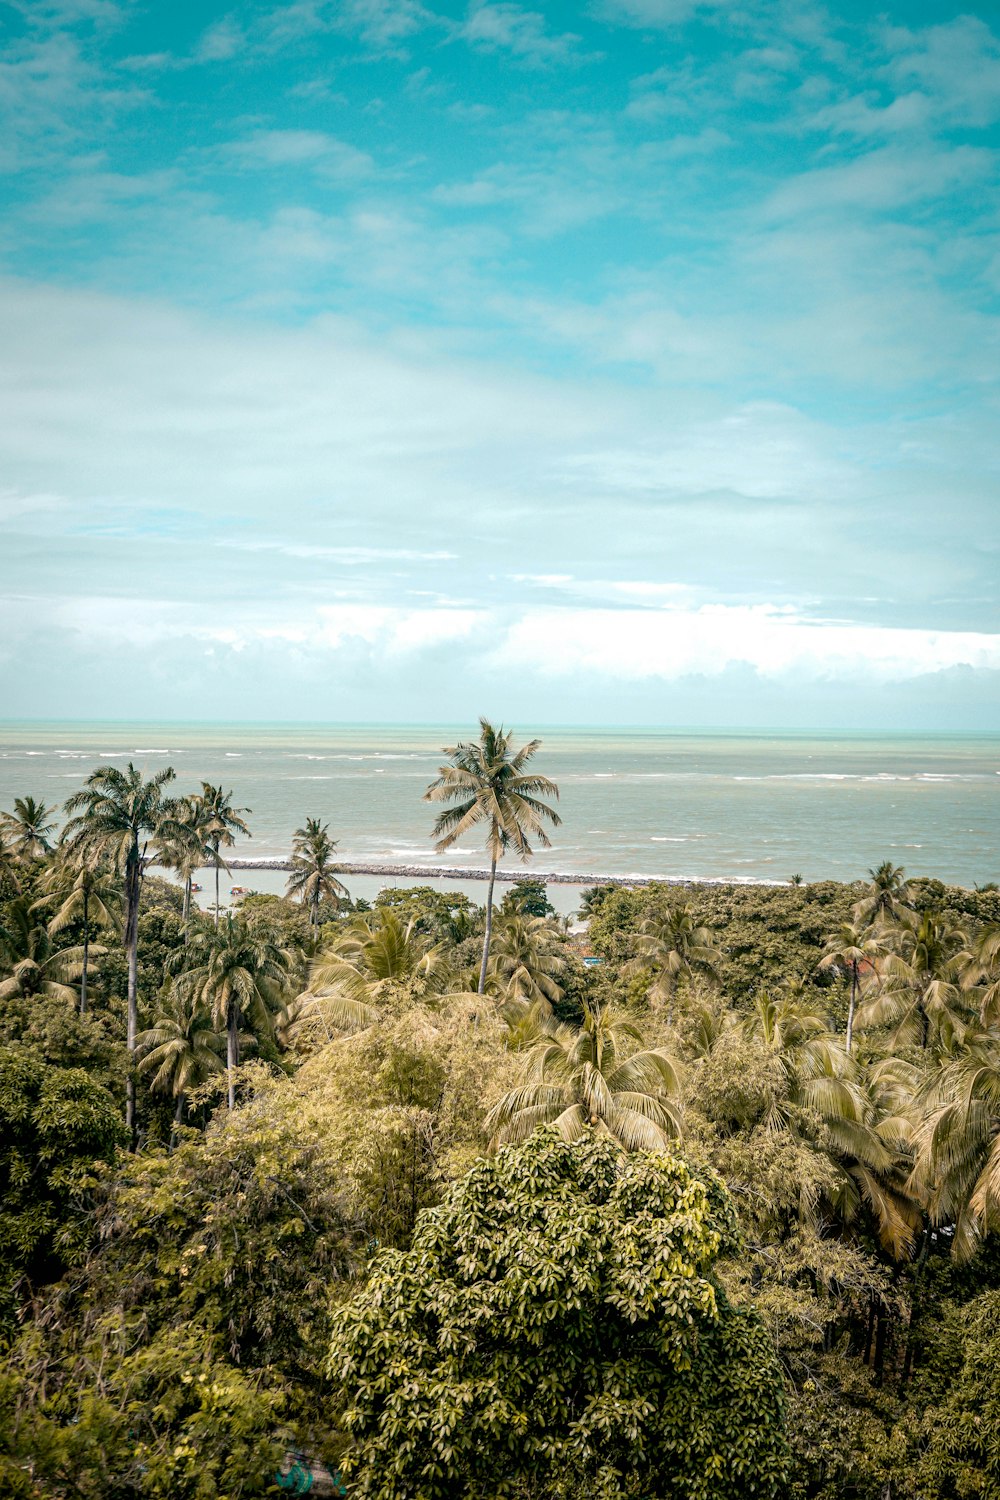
(401, 1105)
(953, 1451)
(556, 1330)
(187, 1346)
(56, 1125)
(529, 897)
(441, 915)
(765, 933)
(174, 1308)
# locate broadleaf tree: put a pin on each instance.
(556, 1330)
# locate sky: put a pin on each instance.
(624, 361)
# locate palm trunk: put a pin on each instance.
(850, 1009)
(186, 909)
(232, 1055)
(489, 927)
(86, 950)
(217, 890)
(178, 1117)
(881, 1335)
(132, 887)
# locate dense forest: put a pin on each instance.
(423, 1199)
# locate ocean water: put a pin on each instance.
(721, 805)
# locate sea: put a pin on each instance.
(679, 804)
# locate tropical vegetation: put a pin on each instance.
(413, 1195)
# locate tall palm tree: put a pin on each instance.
(600, 1077)
(181, 1049)
(488, 782)
(855, 950)
(82, 893)
(32, 966)
(187, 850)
(313, 879)
(675, 946)
(528, 955)
(27, 829)
(118, 820)
(920, 993)
(222, 822)
(887, 897)
(239, 975)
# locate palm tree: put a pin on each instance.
(9, 870)
(981, 972)
(312, 879)
(957, 1165)
(34, 968)
(919, 993)
(887, 897)
(674, 946)
(188, 849)
(82, 893)
(181, 1049)
(27, 828)
(862, 1129)
(118, 820)
(240, 971)
(345, 980)
(221, 821)
(855, 950)
(528, 954)
(487, 780)
(600, 1077)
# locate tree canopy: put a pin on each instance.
(556, 1330)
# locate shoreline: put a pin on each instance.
(460, 872)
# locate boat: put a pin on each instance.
(195, 886)
(239, 890)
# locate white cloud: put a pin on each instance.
(50, 91)
(316, 496)
(383, 23)
(350, 556)
(511, 28)
(882, 181)
(669, 643)
(860, 117)
(774, 640)
(958, 62)
(220, 42)
(297, 148)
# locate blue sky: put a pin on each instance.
(633, 361)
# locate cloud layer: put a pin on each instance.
(638, 362)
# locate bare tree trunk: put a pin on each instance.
(86, 951)
(489, 927)
(132, 886)
(850, 1009)
(232, 1054)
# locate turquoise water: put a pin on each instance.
(634, 802)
